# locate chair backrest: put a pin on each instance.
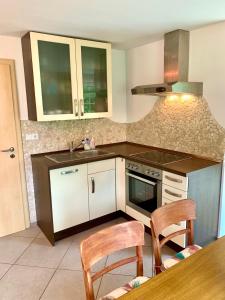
(172, 213)
(107, 241)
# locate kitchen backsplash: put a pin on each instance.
(182, 125)
(56, 135)
(186, 126)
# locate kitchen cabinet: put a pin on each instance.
(203, 186)
(69, 195)
(73, 198)
(66, 78)
(101, 183)
(102, 200)
(174, 188)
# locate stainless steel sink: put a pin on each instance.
(73, 156)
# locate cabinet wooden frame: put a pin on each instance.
(33, 76)
(107, 47)
(34, 38)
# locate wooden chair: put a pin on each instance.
(107, 241)
(161, 218)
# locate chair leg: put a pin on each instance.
(139, 253)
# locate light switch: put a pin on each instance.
(32, 136)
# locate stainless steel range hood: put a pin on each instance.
(176, 63)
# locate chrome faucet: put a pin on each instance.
(73, 148)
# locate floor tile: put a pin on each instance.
(3, 269)
(24, 283)
(130, 269)
(41, 235)
(72, 260)
(42, 254)
(67, 285)
(111, 282)
(12, 247)
(32, 231)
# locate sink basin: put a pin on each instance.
(73, 156)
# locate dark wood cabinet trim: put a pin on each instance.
(29, 77)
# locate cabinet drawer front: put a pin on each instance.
(173, 194)
(101, 166)
(176, 181)
(181, 239)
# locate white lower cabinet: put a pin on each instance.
(78, 196)
(69, 193)
(102, 198)
(174, 188)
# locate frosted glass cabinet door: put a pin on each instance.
(54, 76)
(94, 78)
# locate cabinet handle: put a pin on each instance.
(173, 179)
(81, 107)
(92, 185)
(76, 107)
(69, 172)
(173, 194)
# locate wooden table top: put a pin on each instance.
(201, 276)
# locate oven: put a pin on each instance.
(143, 187)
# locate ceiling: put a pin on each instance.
(125, 23)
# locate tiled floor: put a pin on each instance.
(30, 268)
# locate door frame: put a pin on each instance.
(11, 64)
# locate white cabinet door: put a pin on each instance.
(55, 82)
(120, 184)
(94, 78)
(69, 193)
(102, 200)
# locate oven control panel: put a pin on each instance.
(144, 169)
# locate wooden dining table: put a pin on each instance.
(198, 277)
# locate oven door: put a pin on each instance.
(143, 193)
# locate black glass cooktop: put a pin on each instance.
(159, 157)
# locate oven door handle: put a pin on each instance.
(141, 179)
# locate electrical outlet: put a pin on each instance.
(32, 136)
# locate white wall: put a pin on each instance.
(10, 48)
(119, 80)
(207, 64)
(144, 66)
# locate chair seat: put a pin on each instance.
(136, 282)
(188, 251)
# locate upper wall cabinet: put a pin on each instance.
(66, 78)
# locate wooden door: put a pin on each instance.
(12, 192)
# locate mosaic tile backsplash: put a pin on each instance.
(182, 125)
(56, 135)
(185, 125)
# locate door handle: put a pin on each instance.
(11, 149)
(173, 194)
(92, 185)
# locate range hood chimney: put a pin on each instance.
(176, 64)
